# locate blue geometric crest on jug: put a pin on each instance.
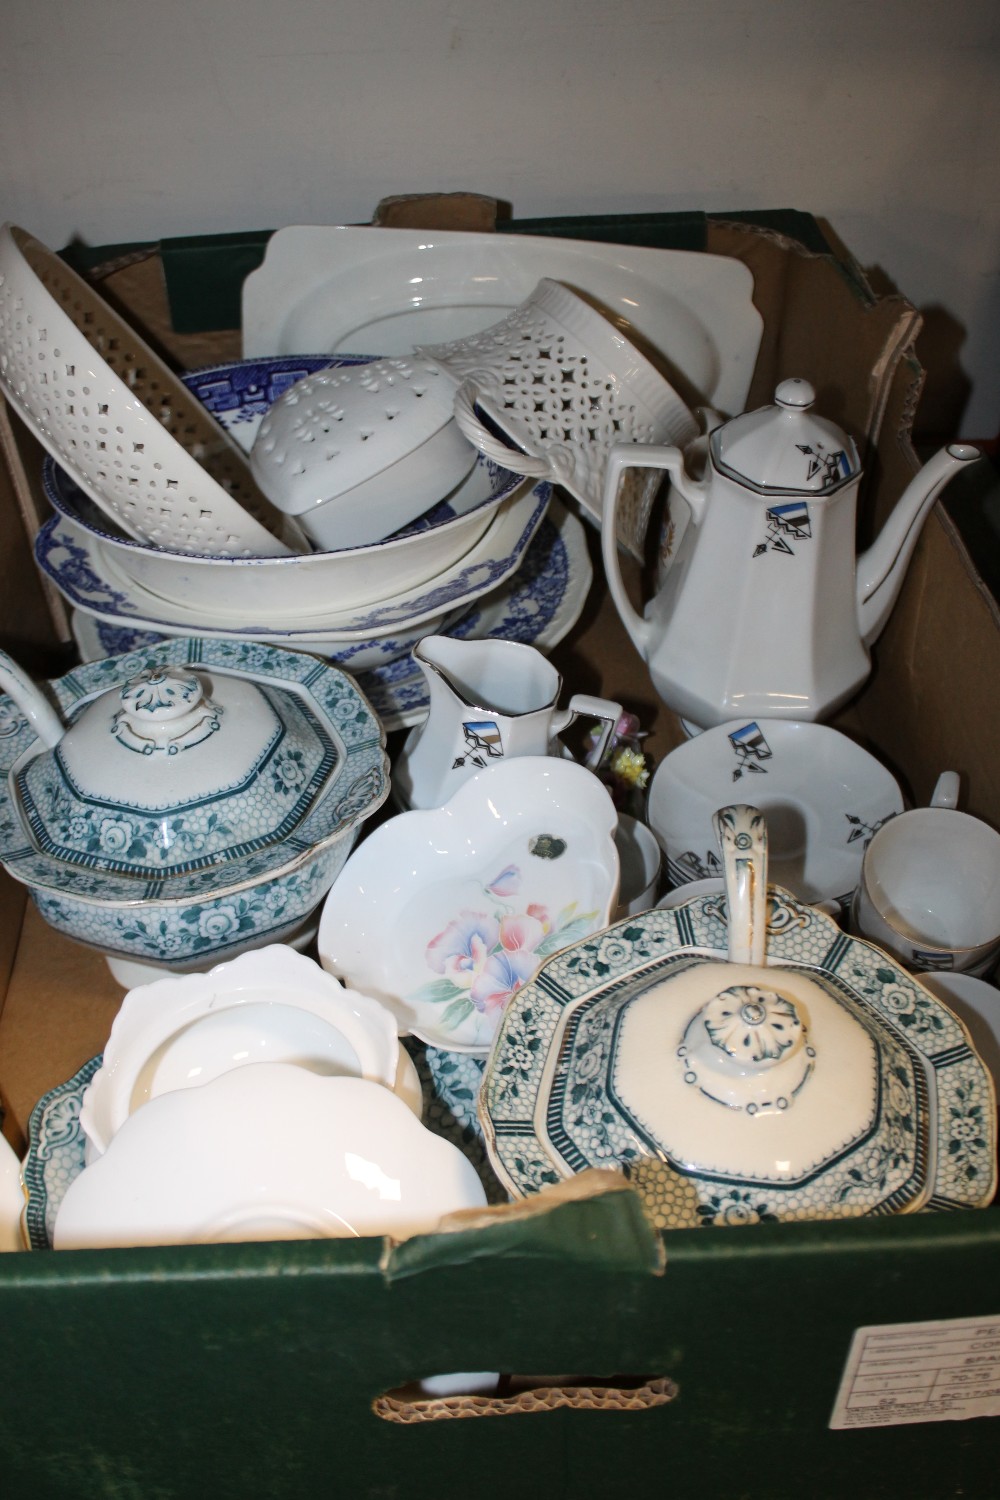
(483, 743)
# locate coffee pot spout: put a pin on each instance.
(880, 570)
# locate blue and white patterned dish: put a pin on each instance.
(188, 917)
(304, 583)
(56, 1145)
(553, 1100)
(92, 581)
(539, 605)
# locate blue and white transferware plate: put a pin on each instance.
(823, 796)
(90, 578)
(596, 1064)
(56, 1145)
(538, 606)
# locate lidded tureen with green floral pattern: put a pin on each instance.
(740, 1058)
(172, 776)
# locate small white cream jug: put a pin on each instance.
(765, 610)
(489, 700)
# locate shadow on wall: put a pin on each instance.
(938, 348)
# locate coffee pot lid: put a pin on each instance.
(786, 448)
(174, 772)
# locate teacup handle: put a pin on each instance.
(583, 706)
(488, 443)
(946, 790)
(742, 835)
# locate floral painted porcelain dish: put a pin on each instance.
(539, 605)
(825, 1084)
(201, 800)
(270, 1151)
(272, 1005)
(444, 914)
(823, 795)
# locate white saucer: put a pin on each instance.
(267, 1152)
(823, 795)
(271, 1005)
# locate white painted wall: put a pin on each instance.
(131, 119)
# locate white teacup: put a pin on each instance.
(641, 860)
(930, 890)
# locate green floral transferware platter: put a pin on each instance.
(568, 1085)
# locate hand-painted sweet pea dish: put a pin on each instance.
(740, 1059)
(199, 799)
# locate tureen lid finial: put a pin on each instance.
(166, 709)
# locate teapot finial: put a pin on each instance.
(797, 394)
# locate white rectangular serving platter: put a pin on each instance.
(360, 290)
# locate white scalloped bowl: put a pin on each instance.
(272, 1005)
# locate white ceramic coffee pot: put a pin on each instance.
(765, 609)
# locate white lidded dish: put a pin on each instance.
(356, 453)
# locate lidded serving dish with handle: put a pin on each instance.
(765, 610)
(200, 798)
(741, 1059)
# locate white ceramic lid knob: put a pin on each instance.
(165, 709)
(795, 393)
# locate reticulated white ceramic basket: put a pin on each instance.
(117, 419)
(560, 382)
